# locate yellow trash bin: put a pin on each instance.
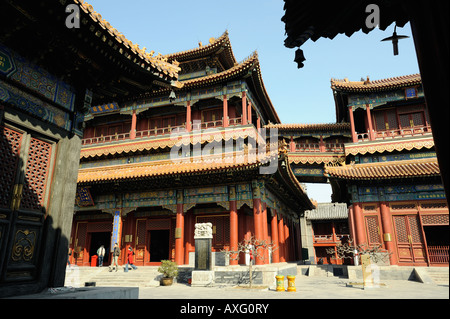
(291, 283)
(280, 283)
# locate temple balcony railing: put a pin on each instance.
(395, 133)
(317, 147)
(158, 131)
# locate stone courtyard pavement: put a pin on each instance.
(307, 288)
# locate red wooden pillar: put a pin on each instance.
(292, 144)
(244, 108)
(352, 124)
(188, 116)
(388, 232)
(274, 229)
(359, 224)
(133, 125)
(249, 111)
(233, 231)
(369, 123)
(281, 239)
(179, 236)
(321, 144)
(258, 124)
(225, 111)
(257, 216)
(265, 231)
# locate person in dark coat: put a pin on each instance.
(115, 258)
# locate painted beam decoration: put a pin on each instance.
(50, 99)
(396, 193)
(361, 100)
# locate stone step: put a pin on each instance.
(440, 275)
(142, 277)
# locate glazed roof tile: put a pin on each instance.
(377, 85)
(214, 45)
(157, 62)
(235, 71)
(234, 161)
(385, 170)
(328, 211)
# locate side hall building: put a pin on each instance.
(394, 189)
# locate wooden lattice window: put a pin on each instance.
(158, 224)
(10, 142)
(400, 227)
(415, 229)
(141, 230)
(373, 232)
(440, 219)
(403, 206)
(440, 205)
(38, 166)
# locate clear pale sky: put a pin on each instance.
(298, 95)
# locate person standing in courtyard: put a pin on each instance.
(101, 255)
(130, 259)
(115, 258)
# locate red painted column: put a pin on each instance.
(321, 144)
(257, 217)
(179, 236)
(287, 246)
(233, 230)
(292, 145)
(188, 117)
(249, 111)
(352, 124)
(265, 231)
(225, 111)
(388, 233)
(244, 108)
(258, 124)
(359, 224)
(369, 122)
(274, 229)
(133, 125)
(281, 239)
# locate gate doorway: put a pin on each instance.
(410, 243)
(96, 240)
(437, 238)
(159, 245)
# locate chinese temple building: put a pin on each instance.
(391, 172)
(49, 76)
(154, 165)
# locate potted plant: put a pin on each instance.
(169, 269)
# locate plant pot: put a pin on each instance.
(166, 281)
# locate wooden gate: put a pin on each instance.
(410, 243)
(25, 166)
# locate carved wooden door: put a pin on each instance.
(140, 244)
(24, 174)
(410, 243)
